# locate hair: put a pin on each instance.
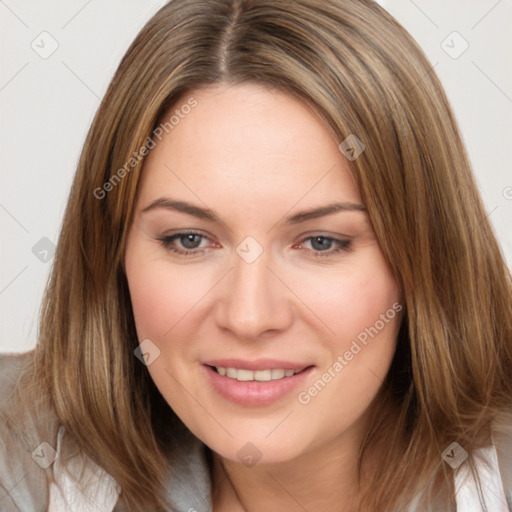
(358, 69)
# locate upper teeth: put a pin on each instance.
(261, 375)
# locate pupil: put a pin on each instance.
(190, 241)
(320, 243)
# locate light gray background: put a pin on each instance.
(47, 105)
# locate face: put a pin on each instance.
(254, 272)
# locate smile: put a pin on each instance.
(259, 375)
(259, 383)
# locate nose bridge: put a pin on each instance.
(253, 301)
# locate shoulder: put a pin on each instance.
(493, 485)
(10, 368)
(502, 441)
(25, 442)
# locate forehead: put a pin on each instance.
(253, 145)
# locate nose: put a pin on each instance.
(253, 301)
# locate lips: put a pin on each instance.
(248, 383)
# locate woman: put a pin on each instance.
(275, 285)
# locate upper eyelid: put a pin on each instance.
(305, 236)
(179, 234)
(338, 242)
(340, 239)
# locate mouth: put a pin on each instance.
(263, 384)
(267, 375)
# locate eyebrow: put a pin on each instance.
(322, 211)
(209, 215)
(182, 206)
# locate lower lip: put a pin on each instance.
(255, 393)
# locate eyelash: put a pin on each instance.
(167, 243)
(341, 246)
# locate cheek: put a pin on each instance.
(360, 306)
(369, 326)
(368, 305)
(160, 295)
(363, 311)
(351, 300)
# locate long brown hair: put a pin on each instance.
(362, 72)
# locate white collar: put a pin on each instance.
(99, 491)
(490, 495)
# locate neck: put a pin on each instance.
(323, 479)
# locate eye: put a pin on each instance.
(321, 243)
(325, 245)
(185, 243)
(190, 241)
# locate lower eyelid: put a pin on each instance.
(337, 251)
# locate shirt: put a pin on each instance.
(26, 458)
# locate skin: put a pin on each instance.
(254, 157)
